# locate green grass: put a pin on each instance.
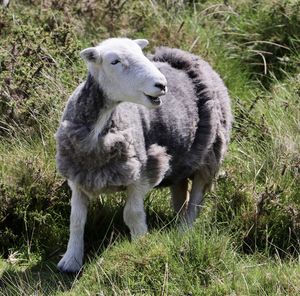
(202, 262)
(246, 241)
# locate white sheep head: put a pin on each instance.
(124, 73)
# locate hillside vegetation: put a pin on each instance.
(246, 241)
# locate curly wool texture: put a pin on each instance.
(189, 133)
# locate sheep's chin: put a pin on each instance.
(152, 102)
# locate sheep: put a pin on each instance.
(136, 123)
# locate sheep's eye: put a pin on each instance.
(115, 62)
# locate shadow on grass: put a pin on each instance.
(104, 228)
(40, 279)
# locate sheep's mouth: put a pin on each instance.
(154, 100)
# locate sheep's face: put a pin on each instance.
(124, 73)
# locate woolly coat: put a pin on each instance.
(188, 133)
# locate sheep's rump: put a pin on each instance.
(189, 133)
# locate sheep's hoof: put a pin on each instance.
(69, 264)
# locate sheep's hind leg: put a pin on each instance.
(134, 213)
(72, 260)
(180, 196)
(196, 199)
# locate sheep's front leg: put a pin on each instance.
(134, 213)
(196, 199)
(72, 260)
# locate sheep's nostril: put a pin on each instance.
(160, 86)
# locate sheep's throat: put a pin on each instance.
(106, 109)
(102, 121)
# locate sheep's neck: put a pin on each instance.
(103, 118)
(104, 106)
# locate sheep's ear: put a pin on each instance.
(91, 55)
(142, 43)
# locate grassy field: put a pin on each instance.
(246, 241)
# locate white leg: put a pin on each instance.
(134, 213)
(196, 199)
(72, 260)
